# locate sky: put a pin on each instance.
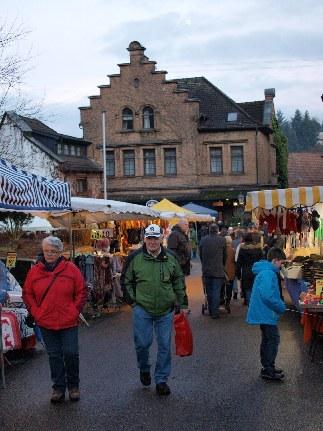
(242, 47)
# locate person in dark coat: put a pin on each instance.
(213, 257)
(250, 252)
(178, 242)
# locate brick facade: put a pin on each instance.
(177, 120)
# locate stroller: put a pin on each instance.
(225, 297)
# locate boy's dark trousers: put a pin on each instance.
(269, 346)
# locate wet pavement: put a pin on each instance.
(216, 389)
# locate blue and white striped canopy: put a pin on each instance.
(22, 191)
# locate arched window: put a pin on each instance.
(127, 119)
(148, 118)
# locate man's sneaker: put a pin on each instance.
(271, 375)
(277, 370)
(74, 394)
(162, 389)
(145, 378)
(57, 396)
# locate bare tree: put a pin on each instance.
(13, 68)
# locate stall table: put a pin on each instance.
(312, 320)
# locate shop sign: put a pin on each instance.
(11, 260)
(217, 204)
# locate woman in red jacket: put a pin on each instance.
(54, 293)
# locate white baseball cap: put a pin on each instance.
(153, 230)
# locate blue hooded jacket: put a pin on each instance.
(265, 305)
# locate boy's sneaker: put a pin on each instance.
(271, 375)
(145, 378)
(162, 389)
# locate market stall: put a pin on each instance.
(22, 191)
(101, 234)
(294, 215)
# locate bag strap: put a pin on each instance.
(47, 289)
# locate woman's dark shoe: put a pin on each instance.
(235, 295)
(145, 378)
(74, 394)
(57, 396)
(162, 389)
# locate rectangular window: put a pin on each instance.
(237, 165)
(81, 185)
(110, 164)
(232, 116)
(66, 150)
(170, 161)
(149, 163)
(78, 151)
(129, 169)
(72, 148)
(216, 163)
(59, 149)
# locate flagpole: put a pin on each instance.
(104, 157)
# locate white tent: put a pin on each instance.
(86, 211)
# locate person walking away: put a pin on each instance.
(249, 253)
(213, 255)
(54, 293)
(230, 272)
(153, 284)
(193, 241)
(265, 308)
(178, 242)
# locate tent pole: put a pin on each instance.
(2, 355)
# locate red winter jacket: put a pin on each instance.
(65, 299)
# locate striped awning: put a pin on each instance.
(288, 198)
(22, 191)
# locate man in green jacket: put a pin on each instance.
(153, 284)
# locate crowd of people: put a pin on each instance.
(234, 263)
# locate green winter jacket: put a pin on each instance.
(154, 283)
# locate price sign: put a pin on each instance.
(319, 286)
(100, 233)
(11, 260)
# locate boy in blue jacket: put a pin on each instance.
(265, 308)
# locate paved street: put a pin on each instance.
(217, 389)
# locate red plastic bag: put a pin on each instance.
(183, 335)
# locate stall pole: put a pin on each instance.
(3, 380)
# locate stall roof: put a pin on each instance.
(172, 212)
(199, 209)
(288, 198)
(86, 211)
(24, 191)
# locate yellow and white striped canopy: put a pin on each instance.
(288, 198)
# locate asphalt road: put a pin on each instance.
(217, 389)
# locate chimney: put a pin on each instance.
(137, 55)
(269, 94)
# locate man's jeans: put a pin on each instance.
(213, 291)
(62, 349)
(269, 346)
(143, 324)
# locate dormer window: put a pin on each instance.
(127, 119)
(232, 116)
(148, 118)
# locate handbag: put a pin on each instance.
(183, 335)
(29, 319)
